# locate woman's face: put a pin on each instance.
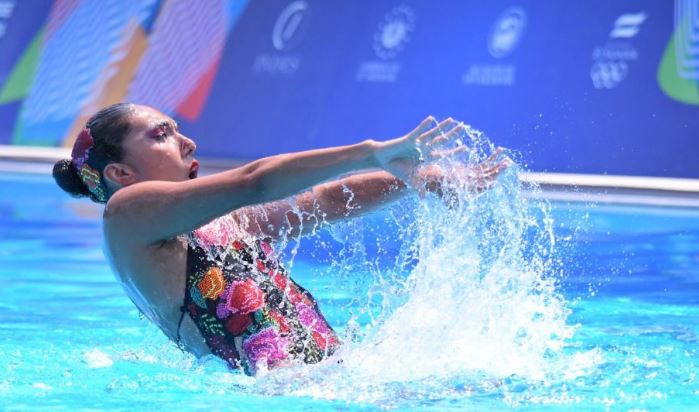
(156, 150)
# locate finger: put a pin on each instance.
(490, 162)
(443, 138)
(443, 126)
(493, 156)
(493, 171)
(504, 164)
(440, 154)
(499, 168)
(422, 127)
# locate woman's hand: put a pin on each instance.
(401, 156)
(482, 176)
(476, 178)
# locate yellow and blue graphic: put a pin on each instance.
(678, 74)
(89, 53)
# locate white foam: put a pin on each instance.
(482, 305)
(480, 310)
(95, 358)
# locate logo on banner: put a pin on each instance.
(506, 32)
(627, 26)
(678, 73)
(6, 8)
(288, 30)
(287, 33)
(394, 32)
(610, 63)
(390, 39)
(505, 35)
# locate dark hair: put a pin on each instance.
(108, 127)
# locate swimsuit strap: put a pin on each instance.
(178, 339)
(183, 308)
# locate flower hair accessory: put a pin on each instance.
(93, 181)
(90, 176)
(81, 148)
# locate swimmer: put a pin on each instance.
(195, 254)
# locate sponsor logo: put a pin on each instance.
(607, 74)
(287, 34)
(6, 8)
(627, 26)
(507, 32)
(611, 61)
(489, 75)
(290, 26)
(394, 32)
(505, 35)
(390, 39)
(276, 64)
(378, 72)
(678, 72)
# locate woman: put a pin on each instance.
(214, 286)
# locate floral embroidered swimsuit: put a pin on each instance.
(249, 311)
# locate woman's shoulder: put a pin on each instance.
(221, 231)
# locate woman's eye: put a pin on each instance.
(163, 131)
(159, 134)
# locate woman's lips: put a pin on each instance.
(194, 169)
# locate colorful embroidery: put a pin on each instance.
(211, 324)
(266, 248)
(279, 320)
(262, 317)
(81, 148)
(296, 296)
(280, 280)
(93, 181)
(192, 308)
(222, 310)
(197, 297)
(211, 287)
(320, 340)
(245, 297)
(237, 324)
(221, 347)
(310, 318)
(312, 352)
(266, 346)
(214, 233)
(275, 318)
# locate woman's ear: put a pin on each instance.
(119, 174)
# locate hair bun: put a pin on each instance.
(68, 179)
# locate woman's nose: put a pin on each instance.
(187, 145)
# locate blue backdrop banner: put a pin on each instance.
(587, 87)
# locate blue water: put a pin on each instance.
(70, 339)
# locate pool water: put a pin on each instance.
(626, 307)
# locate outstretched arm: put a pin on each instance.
(152, 211)
(303, 214)
(359, 194)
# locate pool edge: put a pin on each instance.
(571, 187)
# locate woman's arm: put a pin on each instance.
(152, 211)
(359, 194)
(303, 214)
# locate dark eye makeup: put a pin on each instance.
(162, 130)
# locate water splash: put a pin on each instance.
(478, 310)
(468, 304)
